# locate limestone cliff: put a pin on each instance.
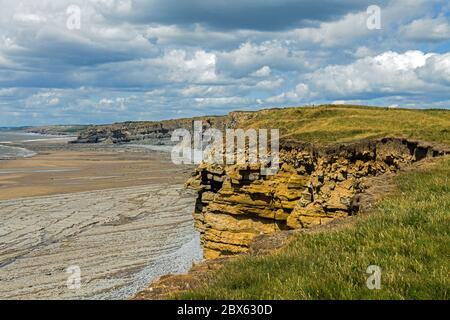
(313, 186)
(135, 131)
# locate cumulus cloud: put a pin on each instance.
(262, 72)
(387, 74)
(135, 59)
(250, 58)
(300, 94)
(200, 67)
(340, 32)
(427, 29)
(436, 69)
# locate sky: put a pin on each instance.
(103, 61)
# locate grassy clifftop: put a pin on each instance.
(331, 123)
(407, 236)
(324, 124)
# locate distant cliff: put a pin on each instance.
(135, 131)
(327, 124)
(57, 129)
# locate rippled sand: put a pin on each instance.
(120, 238)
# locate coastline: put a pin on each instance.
(17, 145)
(121, 213)
(10, 153)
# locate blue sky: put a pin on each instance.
(160, 59)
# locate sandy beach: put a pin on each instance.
(54, 172)
(120, 215)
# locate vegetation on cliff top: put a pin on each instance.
(319, 124)
(340, 123)
(407, 235)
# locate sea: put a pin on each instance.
(8, 139)
(42, 237)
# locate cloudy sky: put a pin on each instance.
(159, 59)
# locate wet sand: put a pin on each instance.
(122, 217)
(56, 172)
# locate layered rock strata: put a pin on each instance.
(120, 239)
(150, 131)
(313, 186)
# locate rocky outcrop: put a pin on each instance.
(158, 132)
(56, 129)
(313, 186)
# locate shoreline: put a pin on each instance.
(20, 148)
(119, 212)
(18, 154)
(120, 247)
(64, 168)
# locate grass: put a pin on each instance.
(332, 123)
(407, 235)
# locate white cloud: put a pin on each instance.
(436, 69)
(269, 84)
(300, 94)
(43, 99)
(53, 101)
(427, 29)
(338, 102)
(7, 91)
(200, 67)
(250, 58)
(339, 32)
(263, 72)
(204, 91)
(222, 101)
(352, 28)
(397, 77)
(388, 73)
(362, 52)
(29, 17)
(119, 7)
(174, 65)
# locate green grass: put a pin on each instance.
(330, 123)
(407, 235)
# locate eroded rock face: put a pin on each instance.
(157, 131)
(312, 187)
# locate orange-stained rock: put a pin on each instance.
(312, 187)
